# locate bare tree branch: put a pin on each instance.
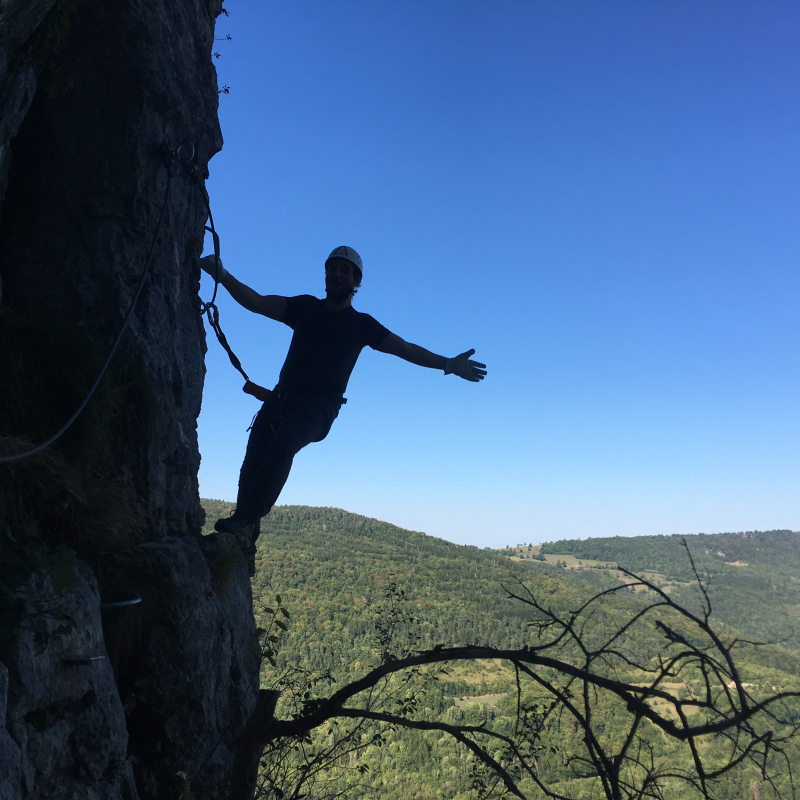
(579, 667)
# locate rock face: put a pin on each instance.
(67, 728)
(90, 95)
(192, 687)
(182, 694)
(9, 751)
(85, 189)
(18, 20)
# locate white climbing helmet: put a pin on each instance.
(348, 254)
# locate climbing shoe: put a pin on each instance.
(238, 526)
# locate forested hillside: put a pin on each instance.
(754, 576)
(332, 570)
(332, 567)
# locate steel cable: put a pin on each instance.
(145, 271)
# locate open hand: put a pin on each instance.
(462, 366)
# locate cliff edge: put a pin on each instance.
(127, 666)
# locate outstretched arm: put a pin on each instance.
(460, 365)
(270, 305)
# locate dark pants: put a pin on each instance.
(283, 427)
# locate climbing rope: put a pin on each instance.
(126, 321)
(212, 312)
(184, 155)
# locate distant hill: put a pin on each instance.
(329, 564)
(754, 576)
(774, 549)
(332, 554)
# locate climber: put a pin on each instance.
(328, 337)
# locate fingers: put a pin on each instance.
(475, 370)
(474, 374)
(472, 371)
(212, 265)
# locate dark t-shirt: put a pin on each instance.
(326, 344)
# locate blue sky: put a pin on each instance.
(602, 198)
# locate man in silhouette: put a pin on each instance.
(328, 337)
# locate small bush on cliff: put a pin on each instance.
(25, 555)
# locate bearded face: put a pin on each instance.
(337, 290)
(339, 279)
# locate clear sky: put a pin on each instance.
(602, 198)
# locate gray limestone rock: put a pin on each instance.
(85, 191)
(64, 715)
(16, 95)
(196, 679)
(18, 20)
(115, 708)
(82, 722)
(9, 752)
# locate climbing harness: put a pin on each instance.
(126, 321)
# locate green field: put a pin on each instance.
(753, 576)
